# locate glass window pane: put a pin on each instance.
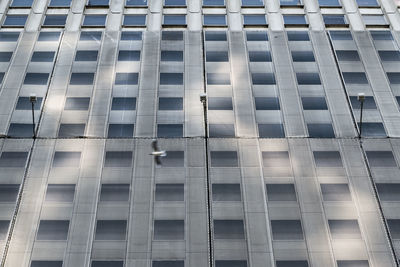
(90, 36)
(226, 192)
(118, 159)
(369, 102)
(77, 103)
(222, 130)
(1, 77)
(60, 3)
(171, 78)
(298, 36)
(353, 263)
(374, 20)
(267, 103)
(53, 230)
(24, 103)
(36, 78)
(8, 192)
(5, 56)
(136, 3)
(21, 3)
(131, 36)
(98, 2)
(46, 264)
(49, 36)
(214, 20)
(218, 79)
(126, 78)
(286, 230)
(55, 20)
(294, 20)
(252, 2)
(174, 159)
(220, 103)
(169, 130)
(327, 159)
(256, 36)
(172, 35)
(228, 229)
(335, 20)
(174, 19)
(340, 35)
(394, 77)
(123, 103)
(230, 263)
(9, 36)
(13, 159)
(217, 56)
(15, 20)
(120, 130)
(372, 129)
(174, 263)
(329, 3)
(388, 192)
(88, 55)
(20, 130)
(94, 20)
(172, 56)
(320, 130)
(60, 193)
(303, 56)
(389, 55)
(335, 192)
(276, 159)
(292, 263)
(344, 229)
(260, 56)
(81, 79)
(114, 192)
(170, 103)
(169, 229)
(110, 230)
(347, 55)
(175, 2)
(170, 192)
(66, 159)
(381, 35)
(271, 130)
(394, 227)
(314, 103)
(290, 2)
(367, 3)
(224, 159)
(42, 56)
(254, 20)
(71, 130)
(213, 2)
(215, 36)
(381, 159)
(281, 192)
(263, 78)
(3, 229)
(308, 78)
(107, 264)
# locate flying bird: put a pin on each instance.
(157, 153)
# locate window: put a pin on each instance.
(369, 102)
(291, 263)
(60, 193)
(394, 77)
(388, 192)
(107, 264)
(308, 78)
(36, 78)
(9, 36)
(260, 56)
(5, 56)
(174, 2)
(220, 103)
(3, 229)
(174, 20)
(21, 3)
(249, 20)
(214, 20)
(172, 56)
(170, 103)
(320, 130)
(267, 103)
(221, 130)
(20, 130)
(55, 20)
(175, 263)
(169, 229)
(24, 103)
(340, 35)
(373, 20)
(394, 227)
(263, 78)
(86, 55)
(217, 56)
(335, 20)
(172, 36)
(81, 78)
(353, 263)
(110, 230)
(252, 2)
(226, 192)
(256, 36)
(98, 3)
(329, 3)
(281, 192)
(13, 159)
(169, 130)
(372, 129)
(60, 3)
(139, 3)
(389, 55)
(171, 78)
(76, 103)
(131, 36)
(298, 36)
(174, 159)
(90, 36)
(294, 20)
(123, 103)
(71, 130)
(213, 2)
(95, 20)
(53, 230)
(276, 159)
(303, 56)
(290, 2)
(228, 229)
(126, 78)
(335, 192)
(170, 192)
(347, 55)
(215, 36)
(118, 159)
(271, 130)
(218, 79)
(327, 159)
(42, 56)
(381, 35)
(66, 159)
(224, 159)
(367, 3)
(286, 230)
(120, 130)
(381, 159)
(46, 264)
(15, 20)
(344, 229)
(314, 103)
(230, 263)
(8, 192)
(1, 77)
(114, 192)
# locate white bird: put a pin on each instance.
(157, 153)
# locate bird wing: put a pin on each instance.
(157, 160)
(154, 145)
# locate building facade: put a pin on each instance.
(273, 170)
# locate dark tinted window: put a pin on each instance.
(107, 264)
(217, 20)
(174, 2)
(220, 103)
(8, 192)
(114, 192)
(314, 103)
(298, 36)
(267, 103)
(292, 263)
(257, 36)
(5, 56)
(394, 77)
(20, 130)
(118, 159)
(217, 56)
(260, 56)
(60, 192)
(174, 19)
(344, 229)
(9, 36)
(286, 230)
(169, 230)
(46, 264)
(131, 36)
(170, 103)
(394, 227)
(24, 103)
(13, 159)
(98, 2)
(308, 78)
(327, 158)
(367, 3)
(170, 192)
(136, 3)
(389, 55)
(169, 130)
(281, 192)
(53, 230)
(320, 130)
(290, 2)
(174, 159)
(94, 20)
(355, 77)
(15, 20)
(271, 130)
(303, 56)
(171, 78)
(335, 192)
(3, 229)
(381, 159)
(369, 102)
(171, 55)
(36, 78)
(90, 36)
(123, 103)
(329, 3)
(126, 78)
(172, 35)
(77, 103)
(263, 78)
(55, 20)
(215, 36)
(218, 79)
(347, 55)
(228, 229)
(381, 35)
(86, 55)
(372, 129)
(224, 159)
(66, 159)
(252, 3)
(213, 2)
(222, 130)
(1, 77)
(340, 35)
(120, 130)
(294, 20)
(49, 36)
(230, 263)
(254, 20)
(42, 56)
(71, 130)
(226, 192)
(353, 263)
(60, 3)
(21, 3)
(389, 192)
(334, 19)
(110, 230)
(81, 78)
